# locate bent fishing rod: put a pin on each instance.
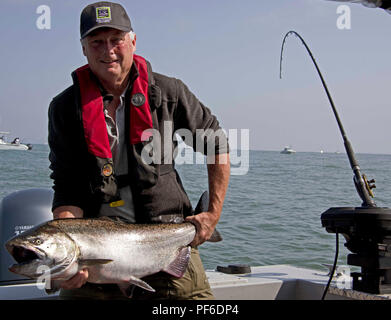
(363, 186)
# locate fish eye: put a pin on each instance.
(37, 241)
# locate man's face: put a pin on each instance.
(109, 53)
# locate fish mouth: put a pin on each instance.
(25, 255)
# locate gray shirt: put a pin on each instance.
(116, 133)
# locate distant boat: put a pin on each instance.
(14, 145)
(288, 150)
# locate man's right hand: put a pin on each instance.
(63, 212)
(77, 281)
(80, 278)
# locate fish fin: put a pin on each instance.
(177, 268)
(216, 236)
(140, 283)
(93, 262)
(203, 206)
(128, 287)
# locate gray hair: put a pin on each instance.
(132, 35)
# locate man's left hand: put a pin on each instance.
(205, 223)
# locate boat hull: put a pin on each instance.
(9, 146)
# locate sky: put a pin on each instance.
(228, 53)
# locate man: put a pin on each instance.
(99, 131)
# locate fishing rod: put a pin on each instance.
(363, 186)
(366, 229)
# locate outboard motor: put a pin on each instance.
(20, 211)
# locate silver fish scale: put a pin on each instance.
(113, 251)
(136, 250)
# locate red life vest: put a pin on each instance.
(94, 123)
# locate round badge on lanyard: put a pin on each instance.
(138, 99)
(107, 170)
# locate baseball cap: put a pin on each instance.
(103, 14)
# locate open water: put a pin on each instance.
(271, 214)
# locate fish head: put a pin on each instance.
(41, 250)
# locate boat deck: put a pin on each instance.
(281, 282)
(275, 282)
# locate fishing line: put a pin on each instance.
(334, 266)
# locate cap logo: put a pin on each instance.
(103, 14)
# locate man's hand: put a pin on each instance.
(205, 223)
(65, 212)
(80, 278)
(77, 281)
